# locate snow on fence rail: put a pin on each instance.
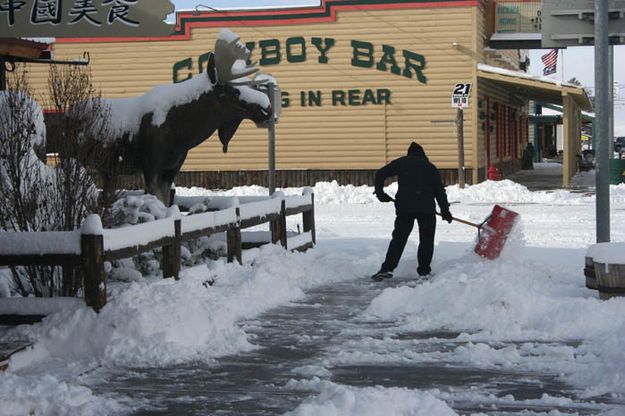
(92, 245)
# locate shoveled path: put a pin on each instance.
(301, 334)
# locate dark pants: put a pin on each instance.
(403, 226)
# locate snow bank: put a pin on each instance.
(505, 191)
(326, 193)
(47, 396)
(516, 299)
(510, 192)
(339, 400)
(160, 322)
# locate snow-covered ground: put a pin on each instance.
(529, 310)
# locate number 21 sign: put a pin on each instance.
(460, 95)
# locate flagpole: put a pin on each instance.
(562, 73)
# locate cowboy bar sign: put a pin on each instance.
(84, 18)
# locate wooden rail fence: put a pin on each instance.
(92, 245)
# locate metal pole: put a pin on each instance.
(3, 75)
(602, 89)
(460, 131)
(271, 179)
(611, 100)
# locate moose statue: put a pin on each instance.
(154, 132)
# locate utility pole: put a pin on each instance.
(271, 178)
(611, 98)
(602, 90)
(3, 74)
(460, 131)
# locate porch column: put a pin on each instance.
(571, 129)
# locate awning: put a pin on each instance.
(530, 87)
(515, 40)
(23, 48)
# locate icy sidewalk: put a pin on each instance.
(322, 348)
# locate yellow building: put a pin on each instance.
(360, 80)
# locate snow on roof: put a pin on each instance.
(41, 40)
(520, 74)
(515, 36)
(558, 111)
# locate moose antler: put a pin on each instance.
(231, 57)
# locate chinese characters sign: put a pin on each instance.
(84, 18)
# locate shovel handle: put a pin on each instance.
(478, 226)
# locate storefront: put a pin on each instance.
(360, 80)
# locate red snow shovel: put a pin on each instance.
(493, 231)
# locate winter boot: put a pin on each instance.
(381, 275)
(422, 271)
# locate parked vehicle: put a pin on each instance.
(619, 144)
(586, 161)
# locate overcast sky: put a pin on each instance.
(578, 61)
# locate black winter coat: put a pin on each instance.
(419, 183)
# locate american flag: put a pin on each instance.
(550, 60)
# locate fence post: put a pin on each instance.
(278, 227)
(233, 240)
(92, 258)
(171, 254)
(308, 219)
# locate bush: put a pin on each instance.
(34, 196)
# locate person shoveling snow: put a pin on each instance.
(419, 184)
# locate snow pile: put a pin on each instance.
(158, 322)
(326, 193)
(617, 193)
(47, 396)
(506, 191)
(516, 299)
(338, 400)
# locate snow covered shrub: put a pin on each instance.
(23, 178)
(77, 136)
(25, 182)
(34, 196)
(135, 207)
